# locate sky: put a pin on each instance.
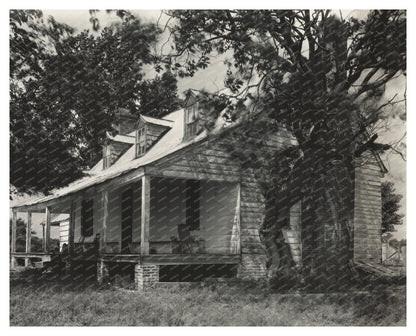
(211, 79)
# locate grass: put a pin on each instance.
(55, 303)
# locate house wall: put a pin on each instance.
(217, 211)
(98, 215)
(117, 149)
(153, 133)
(113, 233)
(253, 254)
(167, 210)
(210, 161)
(63, 233)
(367, 210)
(294, 234)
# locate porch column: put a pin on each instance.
(13, 242)
(71, 228)
(47, 231)
(104, 196)
(28, 237)
(144, 242)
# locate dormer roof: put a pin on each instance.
(128, 138)
(155, 121)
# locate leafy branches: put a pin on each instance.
(65, 89)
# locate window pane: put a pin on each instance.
(141, 135)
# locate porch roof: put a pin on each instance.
(171, 142)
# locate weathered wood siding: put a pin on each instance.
(367, 210)
(153, 133)
(217, 211)
(205, 161)
(167, 210)
(253, 254)
(63, 233)
(293, 234)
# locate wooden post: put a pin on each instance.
(238, 216)
(71, 229)
(144, 242)
(104, 196)
(28, 237)
(47, 230)
(13, 242)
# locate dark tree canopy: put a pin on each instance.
(313, 73)
(390, 207)
(66, 88)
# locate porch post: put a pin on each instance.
(144, 242)
(28, 237)
(71, 228)
(13, 242)
(104, 196)
(238, 216)
(47, 230)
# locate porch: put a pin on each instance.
(147, 221)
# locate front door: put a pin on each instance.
(126, 220)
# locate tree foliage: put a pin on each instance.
(309, 72)
(390, 207)
(66, 88)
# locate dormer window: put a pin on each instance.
(106, 156)
(191, 121)
(141, 141)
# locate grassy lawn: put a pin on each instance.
(51, 303)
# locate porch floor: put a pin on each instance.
(173, 259)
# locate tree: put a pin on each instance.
(310, 72)
(390, 207)
(63, 103)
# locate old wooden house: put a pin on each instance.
(166, 197)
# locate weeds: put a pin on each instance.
(36, 300)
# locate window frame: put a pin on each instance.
(141, 145)
(192, 126)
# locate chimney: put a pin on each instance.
(125, 121)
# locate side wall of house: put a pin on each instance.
(217, 211)
(63, 233)
(219, 178)
(167, 211)
(253, 254)
(367, 210)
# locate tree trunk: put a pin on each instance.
(281, 268)
(326, 219)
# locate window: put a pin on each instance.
(192, 188)
(107, 156)
(191, 120)
(87, 218)
(140, 141)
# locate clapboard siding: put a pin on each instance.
(293, 236)
(253, 261)
(63, 233)
(367, 210)
(193, 163)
